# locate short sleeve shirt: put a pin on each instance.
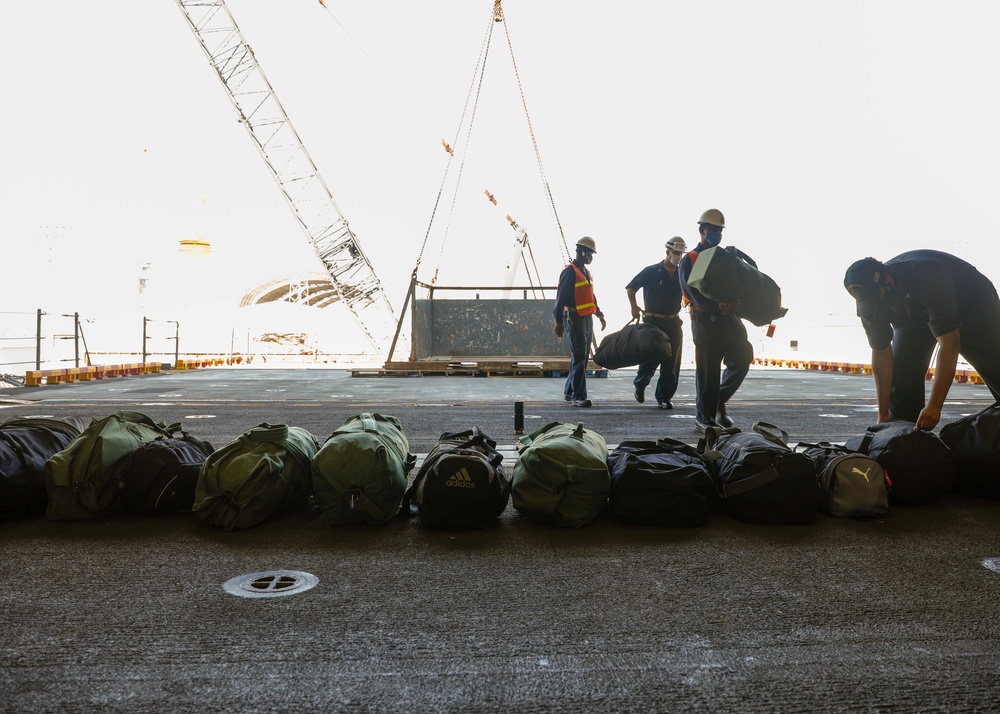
(941, 291)
(661, 291)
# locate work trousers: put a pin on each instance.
(580, 331)
(670, 368)
(718, 339)
(913, 348)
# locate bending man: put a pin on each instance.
(913, 303)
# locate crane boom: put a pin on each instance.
(303, 187)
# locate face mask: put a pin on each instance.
(888, 308)
(674, 258)
(713, 238)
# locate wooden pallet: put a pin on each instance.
(487, 367)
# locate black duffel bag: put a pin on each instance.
(160, 476)
(461, 484)
(632, 345)
(26, 443)
(759, 478)
(918, 464)
(975, 442)
(661, 483)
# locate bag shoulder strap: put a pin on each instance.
(750, 482)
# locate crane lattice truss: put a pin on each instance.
(293, 169)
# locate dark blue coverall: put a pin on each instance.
(717, 338)
(580, 329)
(661, 298)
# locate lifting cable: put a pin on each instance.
(538, 157)
(478, 83)
(496, 15)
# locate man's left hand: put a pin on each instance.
(603, 323)
(928, 418)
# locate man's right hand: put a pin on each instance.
(636, 312)
(558, 329)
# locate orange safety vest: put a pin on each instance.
(583, 294)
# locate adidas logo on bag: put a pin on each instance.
(460, 479)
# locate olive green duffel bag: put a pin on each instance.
(561, 475)
(263, 472)
(360, 472)
(82, 480)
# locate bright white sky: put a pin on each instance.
(824, 131)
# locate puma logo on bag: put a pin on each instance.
(859, 472)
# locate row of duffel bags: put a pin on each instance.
(564, 473)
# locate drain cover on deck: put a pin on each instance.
(270, 583)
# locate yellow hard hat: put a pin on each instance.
(714, 217)
(588, 243)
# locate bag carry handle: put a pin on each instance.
(706, 445)
(679, 446)
(268, 433)
(774, 434)
(824, 445)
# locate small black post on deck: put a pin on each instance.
(518, 417)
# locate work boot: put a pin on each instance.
(703, 425)
(724, 420)
(664, 405)
(581, 403)
(640, 395)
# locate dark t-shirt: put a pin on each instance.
(661, 291)
(941, 292)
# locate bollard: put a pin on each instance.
(518, 417)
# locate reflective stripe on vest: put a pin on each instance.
(583, 294)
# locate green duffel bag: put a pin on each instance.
(82, 479)
(561, 475)
(360, 472)
(263, 472)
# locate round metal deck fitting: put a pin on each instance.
(270, 583)
(993, 564)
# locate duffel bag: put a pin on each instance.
(359, 474)
(461, 484)
(161, 475)
(261, 473)
(759, 478)
(633, 344)
(660, 483)
(26, 443)
(561, 475)
(851, 485)
(975, 442)
(919, 465)
(82, 479)
(722, 275)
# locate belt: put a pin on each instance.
(662, 317)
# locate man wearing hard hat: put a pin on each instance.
(575, 307)
(718, 333)
(661, 299)
(912, 304)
